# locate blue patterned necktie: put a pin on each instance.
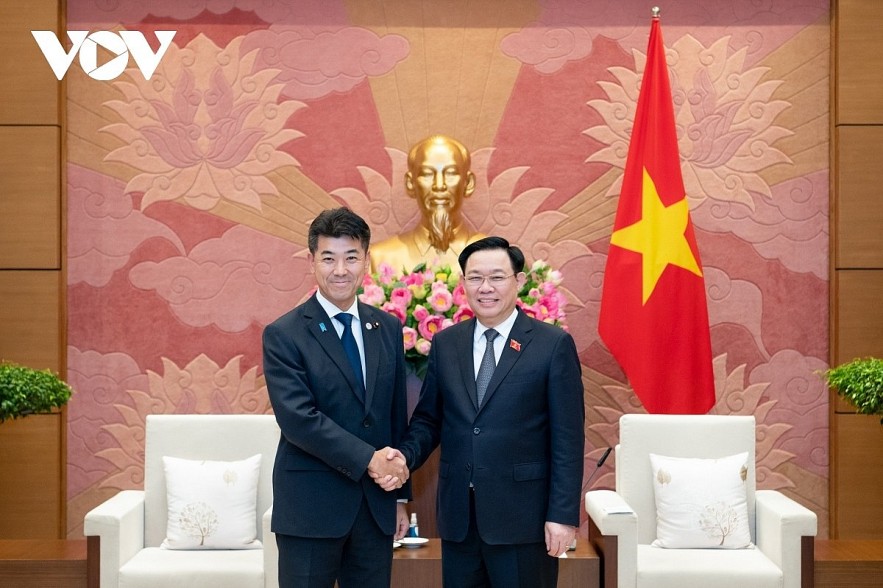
(351, 349)
(486, 369)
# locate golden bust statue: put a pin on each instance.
(439, 179)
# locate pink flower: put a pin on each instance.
(430, 326)
(373, 295)
(410, 337)
(401, 297)
(528, 310)
(422, 346)
(446, 322)
(459, 295)
(463, 313)
(367, 280)
(386, 273)
(395, 310)
(413, 279)
(420, 313)
(440, 299)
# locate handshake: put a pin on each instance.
(388, 468)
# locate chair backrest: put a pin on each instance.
(209, 437)
(703, 436)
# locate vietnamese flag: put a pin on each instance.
(654, 317)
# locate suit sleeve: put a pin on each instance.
(302, 424)
(567, 423)
(424, 429)
(400, 404)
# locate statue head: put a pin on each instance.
(439, 179)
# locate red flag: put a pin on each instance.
(654, 317)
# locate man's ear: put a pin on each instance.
(409, 185)
(470, 185)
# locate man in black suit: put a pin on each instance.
(503, 395)
(337, 386)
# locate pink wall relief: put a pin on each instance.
(189, 194)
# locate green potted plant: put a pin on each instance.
(25, 391)
(861, 382)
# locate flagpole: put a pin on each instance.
(655, 12)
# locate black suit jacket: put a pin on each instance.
(328, 433)
(522, 450)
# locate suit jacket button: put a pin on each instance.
(468, 467)
(366, 423)
(476, 431)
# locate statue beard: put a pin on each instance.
(441, 228)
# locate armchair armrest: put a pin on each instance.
(119, 524)
(785, 531)
(613, 531)
(271, 551)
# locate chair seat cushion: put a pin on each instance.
(701, 568)
(159, 568)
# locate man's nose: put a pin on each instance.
(438, 182)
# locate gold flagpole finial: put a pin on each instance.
(655, 11)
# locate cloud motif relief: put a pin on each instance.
(104, 228)
(725, 117)
(137, 10)
(314, 62)
(205, 128)
(241, 278)
(200, 387)
(548, 48)
(106, 377)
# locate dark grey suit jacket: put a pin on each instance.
(522, 450)
(328, 433)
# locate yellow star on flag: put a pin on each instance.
(658, 237)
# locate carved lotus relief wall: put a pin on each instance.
(189, 194)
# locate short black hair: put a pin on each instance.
(515, 254)
(338, 222)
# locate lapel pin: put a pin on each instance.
(514, 344)
(369, 326)
(376, 325)
(322, 327)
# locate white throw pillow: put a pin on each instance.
(701, 502)
(212, 504)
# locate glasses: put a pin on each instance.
(349, 261)
(495, 280)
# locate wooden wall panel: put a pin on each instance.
(859, 210)
(858, 457)
(859, 62)
(859, 319)
(31, 477)
(29, 92)
(29, 315)
(30, 197)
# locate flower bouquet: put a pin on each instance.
(427, 300)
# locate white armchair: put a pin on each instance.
(127, 529)
(622, 523)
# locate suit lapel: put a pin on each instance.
(513, 349)
(467, 363)
(323, 330)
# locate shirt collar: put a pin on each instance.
(331, 309)
(503, 328)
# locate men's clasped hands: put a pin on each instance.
(388, 468)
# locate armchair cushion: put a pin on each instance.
(701, 503)
(212, 504)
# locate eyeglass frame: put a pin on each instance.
(493, 280)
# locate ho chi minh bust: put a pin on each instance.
(439, 179)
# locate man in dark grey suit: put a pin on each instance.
(335, 372)
(503, 395)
